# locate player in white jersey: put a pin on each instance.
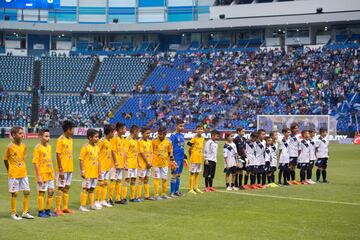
(293, 151)
(250, 156)
(210, 156)
(260, 158)
(268, 150)
(322, 154)
(312, 157)
(304, 156)
(273, 161)
(230, 159)
(284, 157)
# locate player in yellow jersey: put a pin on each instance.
(15, 163)
(145, 160)
(116, 174)
(90, 170)
(64, 168)
(107, 159)
(196, 152)
(44, 173)
(162, 148)
(131, 164)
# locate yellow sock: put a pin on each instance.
(97, 192)
(41, 201)
(26, 203)
(13, 204)
(49, 202)
(124, 192)
(191, 181)
(147, 190)
(112, 189)
(196, 182)
(156, 186)
(132, 191)
(83, 198)
(163, 186)
(59, 196)
(117, 191)
(139, 190)
(104, 189)
(92, 198)
(66, 200)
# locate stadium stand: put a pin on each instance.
(139, 109)
(16, 73)
(124, 73)
(15, 109)
(169, 73)
(86, 111)
(65, 74)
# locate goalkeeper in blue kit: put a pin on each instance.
(178, 143)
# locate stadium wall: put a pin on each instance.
(175, 15)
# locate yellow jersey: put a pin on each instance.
(42, 158)
(132, 153)
(64, 147)
(162, 151)
(118, 145)
(105, 157)
(15, 155)
(145, 147)
(89, 154)
(197, 152)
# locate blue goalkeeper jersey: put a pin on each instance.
(178, 142)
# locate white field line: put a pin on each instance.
(291, 198)
(260, 195)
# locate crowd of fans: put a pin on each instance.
(237, 86)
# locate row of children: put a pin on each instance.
(259, 157)
(112, 164)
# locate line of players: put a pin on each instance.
(113, 164)
(258, 157)
(108, 167)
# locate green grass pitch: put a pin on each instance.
(321, 211)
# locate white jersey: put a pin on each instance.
(312, 150)
(322, 148)
(210, 152)
(250, 152)
(273, 162)
(284, 148)
(260, 152)
(230, 154)
(268, 154)
(293, 146)
(304, 148)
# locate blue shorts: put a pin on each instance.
(260, 168)
(180, 167)
(293, 161)
(283, 166)
(250, 169)
(321, 163)
(303, 166)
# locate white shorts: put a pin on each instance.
(18, 184)
(105, 176)
(64, 182)
(88, 183)
(116, 174)
(195, 167)
(160, 172)
(131, 173)
(46, 185)
(144, 173)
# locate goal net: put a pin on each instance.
(306, 122)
